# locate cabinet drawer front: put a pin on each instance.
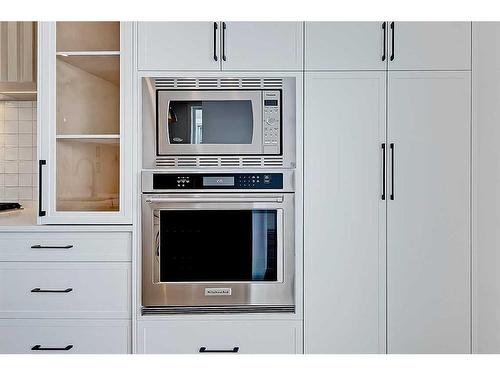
(65, 290)
(245, 337)
(20, 336)
(65, 246)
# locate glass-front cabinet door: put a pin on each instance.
(85, 91)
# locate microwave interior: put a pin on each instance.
(219, 245)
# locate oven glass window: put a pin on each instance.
(218, 245)
(210, 122)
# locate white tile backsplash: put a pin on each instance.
(18, 172)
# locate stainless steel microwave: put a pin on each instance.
(220, 120)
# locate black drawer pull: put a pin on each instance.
(203, 349)
(51, 247)
(38, 290)
(64, 348)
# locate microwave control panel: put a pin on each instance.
(271, 101)
(164, 181)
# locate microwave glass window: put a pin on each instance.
(210, 122)
(218, 245)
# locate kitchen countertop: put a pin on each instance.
(26, 221)
(25, 217)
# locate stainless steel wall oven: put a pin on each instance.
(218, 242)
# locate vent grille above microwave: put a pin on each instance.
(219, 161)
(219, 83)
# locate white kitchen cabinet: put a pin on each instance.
(428, 218)
(486, 188)
(230, 337)
(262, 45)
(429, 45)
(220, 46)
(388, 45)
(345, 212)
(66, 246)
(85, 111)
(64, 336)
(65, 290)
(178, 46)
(346, 45)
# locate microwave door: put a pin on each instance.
(209, 122)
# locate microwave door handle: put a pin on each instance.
(216, 200)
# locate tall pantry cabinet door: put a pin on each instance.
(486, 188)
(346, 45)
(429, 45)
(178, 46)
(262, 45)
(428, 213)
(344, 212)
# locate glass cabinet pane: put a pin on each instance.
(88, 94)
(88, 36)
(88, 175)
(88, 116)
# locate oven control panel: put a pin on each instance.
(167, 181)
(272, 118)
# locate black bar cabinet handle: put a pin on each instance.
(40, 164)
(392, 41)
(38, 290)
(223, 41)
(392, 171)
(384, 25)
(51, 247)
(383, 171)
(63, 348)
(203, 349)
(215, 41)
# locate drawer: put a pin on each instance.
(64, 336)
(65, 290)
(65, 246)
(249, 337)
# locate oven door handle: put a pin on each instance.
(216, 200)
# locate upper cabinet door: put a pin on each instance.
(429, 45)
(261, 45)
(84, 115)
(178, 45)
(346, 45)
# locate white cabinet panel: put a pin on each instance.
(65, 290)
(262, 45)
(344, 213)
(65, 246)
(428, 242)
(345, 46)
(22, 336)
(178, 45)
(430, 46)
(486, 188)
(249, 337)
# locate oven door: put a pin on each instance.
(209, 122)
(222, 251)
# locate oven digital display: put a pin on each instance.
(270, 103)
(218, 181)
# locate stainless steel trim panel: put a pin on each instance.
(217, 310)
